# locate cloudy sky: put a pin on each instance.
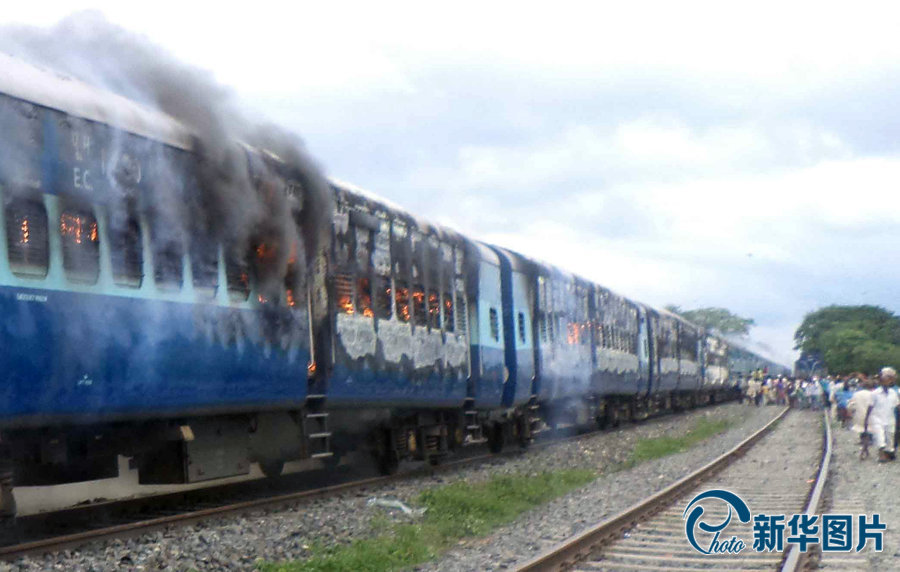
(700, 154)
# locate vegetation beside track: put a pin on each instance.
(463, 510)
(454, 511)
(656, 447)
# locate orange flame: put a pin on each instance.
(290, 298)
(25, 233)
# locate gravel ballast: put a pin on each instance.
(864, 487)
(239, 542)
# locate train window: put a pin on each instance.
(383, 297)
(205, 268)
(343, 293)
(365, 297)
(167, 265)
(80, 245)
(420, 318)
(434, 311)
(448, 312)
(126, 253)
(402, 299)
(26, 238)
(543, 325)
(521, 327)
(237, 275)
(461, 313)
(495, 324)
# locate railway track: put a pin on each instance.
(78, 525)
(650, 536)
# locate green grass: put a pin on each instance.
(648, 449)
(455, 511)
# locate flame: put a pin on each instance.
(25, 233)
(265, 252)
(94, 232)
(368, 313)
(290, 298)
(262, 299)
(73, 226)
(345, 303)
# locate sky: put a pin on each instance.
(744, 156)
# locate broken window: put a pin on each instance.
(402, 300)
(365, 297)
(26, 238)
(126, 252)
(434, 311)
(420, 317)
(237, 275)
(383, 297)
(205, 267)
(448, 312)
(80, 239)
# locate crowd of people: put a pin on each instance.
(867, 405)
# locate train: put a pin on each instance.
(195, 353)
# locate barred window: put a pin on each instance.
(343, 293)
(495, 324)
(462, 317)
(26, 238)
(127, 253)
(522, 327)
(80, 238)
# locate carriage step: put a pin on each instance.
(324, 435)
(321, 455)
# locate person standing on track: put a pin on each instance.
(881, 415)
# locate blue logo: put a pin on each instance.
(833, 532)
(693, 522)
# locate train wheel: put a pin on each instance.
(272, 468)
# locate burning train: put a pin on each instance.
(152, 329)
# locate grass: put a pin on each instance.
(462, 510)
(648, 449)
(455, 511)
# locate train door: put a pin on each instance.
(517, 329)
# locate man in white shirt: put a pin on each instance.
(880, 420)
(858, 408)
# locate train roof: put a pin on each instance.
(41, 86)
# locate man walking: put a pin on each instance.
(880, 418)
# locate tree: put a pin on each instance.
(851, 338)
(717, 319)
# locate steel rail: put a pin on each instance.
(796, 559)
(580, 547)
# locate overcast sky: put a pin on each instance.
(699, 154)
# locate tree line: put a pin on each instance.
(851, 338)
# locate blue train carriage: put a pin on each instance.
(122, 335)
(564, 346)
(401, 353)
(622, 357)
(716, 377)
